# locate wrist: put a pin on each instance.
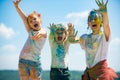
(16, 6)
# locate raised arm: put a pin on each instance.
(52, 32)
(22, 14)
(103, 11)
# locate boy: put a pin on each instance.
(60, 39)
(29, 59)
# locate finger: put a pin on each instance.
(13, 2)
(76, 33)
(50, 24)
(39, 36)
(106, 3)
(73, 26)
(73, 31)
(18, 0)
(33, 37)
(97, 10)
(48, 27)
(102, 2)
(97, 2)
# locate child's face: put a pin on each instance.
(95, 24)
(60, 36)
(95, 21)
(34, 22)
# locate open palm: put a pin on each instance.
(102, 6)
(16, 2)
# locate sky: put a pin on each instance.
(13, 34)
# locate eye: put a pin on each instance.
(34, 18)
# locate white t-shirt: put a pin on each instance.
(32, 49)
(59, 54)
(96, 48)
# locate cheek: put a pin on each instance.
(30, 24)
(55, 36)
(64, 35)
(89, 24)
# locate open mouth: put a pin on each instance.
(59, 38)
(36, 25)
(94, 25)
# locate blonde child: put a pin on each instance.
(29, 59)
(96, 45)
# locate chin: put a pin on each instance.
(59, 41)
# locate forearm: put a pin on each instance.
(21, 13)
(106, 25)
(23, 17)
(51, 37)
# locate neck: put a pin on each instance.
(96, 32)
(36, 30)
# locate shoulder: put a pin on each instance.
(84, 36)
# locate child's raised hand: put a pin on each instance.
(16, 3)
(52, 27)
(102, 6)
(38, 35)
(71, 30)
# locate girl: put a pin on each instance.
(29, 59)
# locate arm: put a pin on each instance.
(52, 32)
(39, 34)
(103, 11)
(106, 25)
(51, 37)
(22, 15)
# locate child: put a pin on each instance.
(60, 39)
(96, 45)
(29, 59)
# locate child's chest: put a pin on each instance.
(93, 42)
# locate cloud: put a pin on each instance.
(115, 46)
(114, 56)
(78, 15)
(77, 18)
(115, 42)
(9, 48)
(6, 32)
